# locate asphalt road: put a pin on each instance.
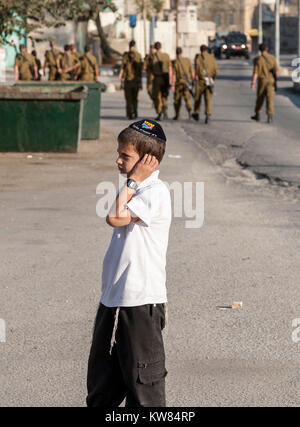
(52, 245)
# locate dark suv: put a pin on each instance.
(235, 45)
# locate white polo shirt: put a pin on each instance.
(134, 267)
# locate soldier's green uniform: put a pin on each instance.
(161, 65)
(263, 66)
(183, 71)
(67, 61)
(88, 65)
(132, 75)
(148, 67)
(78, 56)
(206, 66)
(25, 62)
(51, 57)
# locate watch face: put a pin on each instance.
(131, 184)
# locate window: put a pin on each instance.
(230, 19)
(218, 19)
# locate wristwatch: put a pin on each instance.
(131, 183)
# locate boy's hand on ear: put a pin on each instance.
(144, 168)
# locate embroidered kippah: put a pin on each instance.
(149, 128)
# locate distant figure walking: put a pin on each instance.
(265, 72)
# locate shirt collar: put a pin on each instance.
(151, 178)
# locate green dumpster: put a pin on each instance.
(91, 107)
(41, 119)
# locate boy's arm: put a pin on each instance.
(119, 214)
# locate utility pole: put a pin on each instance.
(177, 3)
(277, 31)
(260, 22)
(145, 26)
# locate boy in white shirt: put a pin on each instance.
(127, 358)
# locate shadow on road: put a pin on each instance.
(229, 121)
(289, 93)
(114, 118)
(233, 77)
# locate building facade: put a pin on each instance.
(242, 15)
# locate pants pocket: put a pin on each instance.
(151, 373)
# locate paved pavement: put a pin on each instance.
(270, 151)
(52, 245)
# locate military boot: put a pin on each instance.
(207, 119)
(256, 117)
(195, 117)
(270, 118)
(164, 113)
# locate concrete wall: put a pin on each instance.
(165, 32)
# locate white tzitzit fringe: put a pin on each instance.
(166, 328)
(113, 337)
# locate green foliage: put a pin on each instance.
(153, 7)
(27, 16)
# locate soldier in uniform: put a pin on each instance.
(88, 70)
(67, 65)
(162, 70)
(75, 52)
(131, 77)
(205, 75)
(25, 66)
(38, 64)
(148, 67)
(183, 75)
(51, 58)
(265, 71)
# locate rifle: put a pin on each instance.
(165, 76)
(189, 85)
(273, 72)
(209, 81)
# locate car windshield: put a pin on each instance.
(237, 39)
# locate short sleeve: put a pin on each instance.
(169, 61)
(255, 66)
(142, 206)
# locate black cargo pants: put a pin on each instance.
(135, 369)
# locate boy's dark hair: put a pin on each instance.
(132, 43)
(157, 45)
(203, 48)
(142, 143)
(178, 51)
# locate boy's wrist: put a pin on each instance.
(135, 178)
(132, 184)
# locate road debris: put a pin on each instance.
(234, 306)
